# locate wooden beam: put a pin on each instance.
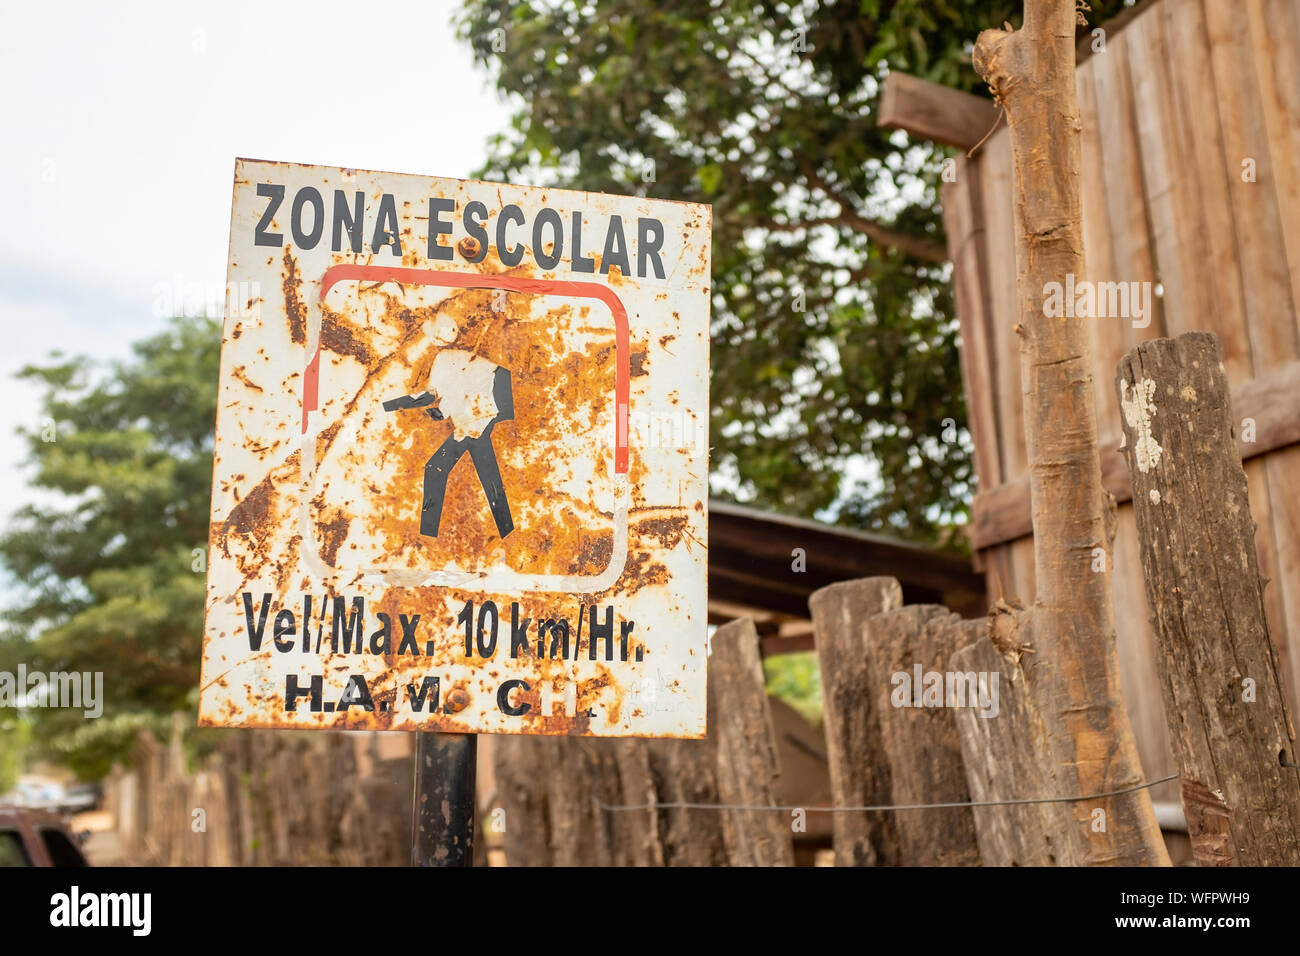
(720, 612)
(929, 111)
(1271, 401)
(780, 644)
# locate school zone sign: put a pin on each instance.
(461, 461)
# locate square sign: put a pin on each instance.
(461, 466)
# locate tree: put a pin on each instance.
(836, 383)
(109, 560)
(1071, 626)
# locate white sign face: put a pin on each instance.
(461, 477)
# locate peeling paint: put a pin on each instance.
(1138, 407)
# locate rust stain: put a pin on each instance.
(339, 335)
(668, 531)
(332, 533)
(294, 307)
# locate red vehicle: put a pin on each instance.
(36, 838)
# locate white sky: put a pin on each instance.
(119, 128)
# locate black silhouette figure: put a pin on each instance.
(459, 383)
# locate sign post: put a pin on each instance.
(442, 814)
(461, 468)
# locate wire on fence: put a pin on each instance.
(681, 805)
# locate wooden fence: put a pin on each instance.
(1191, 183)
(271, 798)
(920, 706)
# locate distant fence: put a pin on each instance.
(269, 798)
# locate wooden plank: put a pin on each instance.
(1271, 402)
(1266, 287)
(1000, 241)
(1131, 256)
(1013, 570)
(1275, 39)
(1009, 758)
(962, 206)
(918, 734)
(859, 775)
(941, 114)
(1023, 570)
(1274, 48)
(1223, 687)
(1199, 172)
(1208, 174)
(1135, 644)
(1167, 141)
(748, 767)
(963, 213)
(1120, 248)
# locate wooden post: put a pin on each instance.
(920, 743)
(1076, 683)
(748, 765)
(858, 768)
(685, 771)
(1223, 691)
(521, 792)
(1007, 757)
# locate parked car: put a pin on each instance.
(36, 838)
(41, 793)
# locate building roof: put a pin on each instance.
(754, 571)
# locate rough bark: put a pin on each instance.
(748, 768)
(1075, 675)
(1008, 757)
(685, 771)
(920, 743)
(637, 831)
(1219, 673)
(521, 792)
(858, 768)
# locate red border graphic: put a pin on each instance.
(461, 280)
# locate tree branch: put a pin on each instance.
(918, 246)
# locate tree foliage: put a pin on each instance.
(105, 560)
(835, 364)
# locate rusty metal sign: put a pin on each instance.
(461, 459)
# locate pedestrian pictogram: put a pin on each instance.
(474, 394)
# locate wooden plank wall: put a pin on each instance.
(1184, 94)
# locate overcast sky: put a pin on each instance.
(119, 128)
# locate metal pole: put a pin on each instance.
(442, 812)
